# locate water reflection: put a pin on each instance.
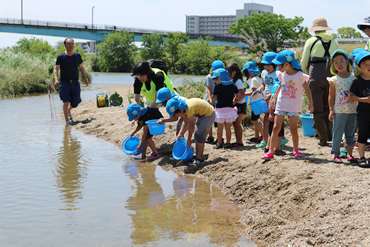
(70, 172)
(189, 210)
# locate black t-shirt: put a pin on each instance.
(151, 113)
(158, 80)
(361, 88)
(225, 95)
(69, 66)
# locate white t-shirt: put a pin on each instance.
(342, 103)
(239, 85)
(291, 91)
(256, 83)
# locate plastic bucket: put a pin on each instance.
(130, 144)
(180, 151)
(155, 128)
(246, 98)
(259, 106)
(307, 123)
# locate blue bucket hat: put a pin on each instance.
(134, 109)
(268, 57)
(332, 68)
(174, 104)
(218, 64)
(286, 56)
(223, 74)
(252, 68)
(353, 55)
(361, 55)
(163, 94)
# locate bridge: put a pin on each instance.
(92, 32)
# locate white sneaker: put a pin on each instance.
(69, 123)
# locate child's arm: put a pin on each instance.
(167, 120)
(212, 99)
(273, 100)
(331, 100)
(309, 97)
(239, 96)
(184, 126)
(209, 93)
(354, 97)
(262, 87)
(138, 127)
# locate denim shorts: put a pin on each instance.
(285, 113)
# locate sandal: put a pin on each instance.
(351, 159)
(268, 156)
(237, 144)
(337, 160)
(254, 139)
(297, 154)
(228, 145)
(154, 156)
(343, 153)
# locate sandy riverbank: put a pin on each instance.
(310, 201)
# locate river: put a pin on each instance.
(59, 187)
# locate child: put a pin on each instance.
(236, 75)
(251, 72)
(141, 115)
(210, 84)
(225, 113)
(360, 92)
(288, 99)
(188, 109)
(342, 109)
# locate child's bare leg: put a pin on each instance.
(151, 144)
(257, 128)
(265, 132)
(199, 149)
(293, 122)
(350, 150)
(274, 139)
(228, 132)
(143, 154)
(238, 128)
(361, 149)
(220, 127)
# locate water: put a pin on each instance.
(59, 187)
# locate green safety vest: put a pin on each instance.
(150, 95)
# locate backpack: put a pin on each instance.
(158, 64)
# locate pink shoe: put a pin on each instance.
(260, 138)
(351, 159)
(154, 156)
(297, 154)
(268, 156)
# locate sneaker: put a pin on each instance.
(210, 139)
(351, 159)
(69, 122)
(261, 145)
(154, 156)
(283, 142)
(260, 138)
(279, 152)
(235, 144)
(198, 161)
(228, 145)
(267, 156)
(297, 154)
(215, 142)
(70, 116)
(337, 160)
(265, 150)
(362, 162)
(254, 139)
(218, 145)
(343, 153)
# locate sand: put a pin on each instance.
(284, 202)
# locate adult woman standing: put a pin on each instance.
(148, 81)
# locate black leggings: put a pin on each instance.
(363, 122)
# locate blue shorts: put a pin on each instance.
(70, 92)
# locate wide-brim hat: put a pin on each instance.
(163, 94)
(175, 103)
(319, 24)
(366, 23)
(268, 57)
(286, 56)
(223, 74)
(134, 109)
(361, 55)
(332, 67)
(251, 66)
(218, 64)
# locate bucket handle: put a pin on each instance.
(252, 96)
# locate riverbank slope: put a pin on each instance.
(301, 202)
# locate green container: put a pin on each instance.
(115, 99)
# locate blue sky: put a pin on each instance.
(169, 15)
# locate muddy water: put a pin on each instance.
(59, 187)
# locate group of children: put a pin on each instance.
(283, 82)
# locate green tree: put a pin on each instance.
(33, 45)
(173, 45)
(116, 53)
(272, 28)
(152, 46)
(348, 32)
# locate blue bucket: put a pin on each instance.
(307, 123)
(246, 98)
(130, 144)
(155, 128)
(258, 106)
(180, 151)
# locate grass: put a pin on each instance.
(350, 47)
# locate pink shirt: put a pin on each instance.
(291, 91)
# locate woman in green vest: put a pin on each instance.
(148, 81)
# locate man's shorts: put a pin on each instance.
(70, 92)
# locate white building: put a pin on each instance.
(218, 25)
(88, 46)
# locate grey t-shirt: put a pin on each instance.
(209, 82)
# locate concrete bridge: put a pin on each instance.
(89, 31)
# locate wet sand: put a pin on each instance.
(285, 201)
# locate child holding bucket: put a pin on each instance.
(251, 72)
(342, 109)
(236, 75)
(225, 112)
(141, 115)
(288, 99)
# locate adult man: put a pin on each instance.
(69, 87)
(316, 59)
(365, 27)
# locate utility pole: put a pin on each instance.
(92, 17)
(21, 11)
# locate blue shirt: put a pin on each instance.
(269, 80)
(69, 66)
